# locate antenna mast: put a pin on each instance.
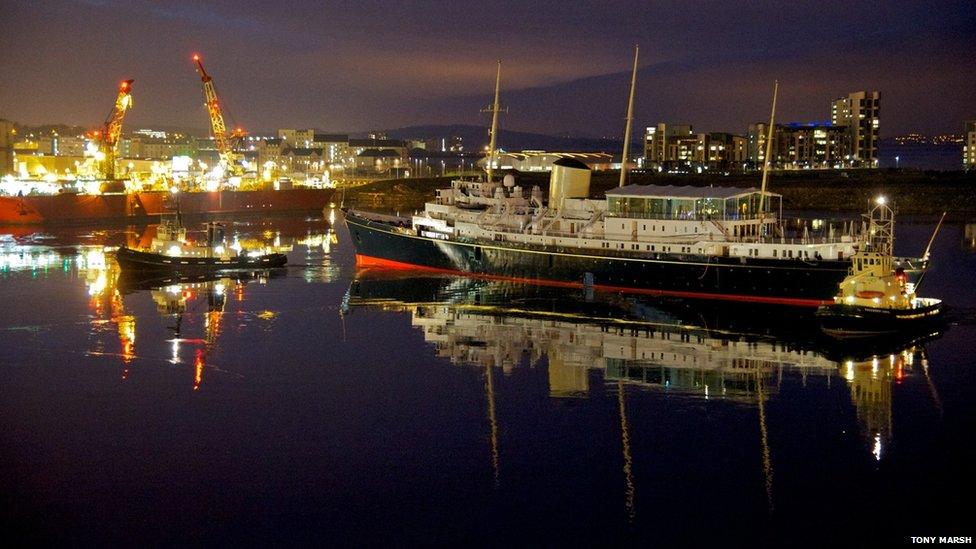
(630, 119)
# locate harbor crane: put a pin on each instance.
(108, 137)
(222, 140)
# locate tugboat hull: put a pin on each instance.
(856, 321)
(134, 260)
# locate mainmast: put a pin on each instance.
(630, 119)
(494, 122)
(769, 151)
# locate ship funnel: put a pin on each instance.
(570, 179)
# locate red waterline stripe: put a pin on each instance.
(368, 261)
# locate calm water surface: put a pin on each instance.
(329, 405)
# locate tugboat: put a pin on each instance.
(875, 299)
(171, 252)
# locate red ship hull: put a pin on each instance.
(75, 208)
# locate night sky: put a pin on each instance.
(355, 66)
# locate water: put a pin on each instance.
(327, 405)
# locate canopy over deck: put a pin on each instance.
(686, 191)
(689, 203)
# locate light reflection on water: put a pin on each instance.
(608, 412)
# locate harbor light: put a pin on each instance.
(880, 201)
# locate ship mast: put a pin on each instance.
(494, 122)
(769, 151)
(630, 119)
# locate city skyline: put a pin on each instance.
(325, 67)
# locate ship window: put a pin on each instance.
(652, 248)
(774, 253)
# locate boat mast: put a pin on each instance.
(769, 151)
(630, 119)
(494, 122)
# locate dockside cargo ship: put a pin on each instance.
(69, 208)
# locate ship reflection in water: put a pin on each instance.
(668, 347)
(378, 407)
(192, 309)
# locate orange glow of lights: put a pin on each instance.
(196, 57)
(198, 366)
(128, 352)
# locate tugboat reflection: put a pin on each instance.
(674, 347)
(174, 297)
(205, 296)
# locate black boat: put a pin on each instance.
(135, 260)
(172, 252)
(858, 321)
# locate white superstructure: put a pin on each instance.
(709, 221)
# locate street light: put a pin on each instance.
(897, 158)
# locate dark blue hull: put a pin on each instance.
(791, 282)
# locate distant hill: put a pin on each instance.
(476, 137)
